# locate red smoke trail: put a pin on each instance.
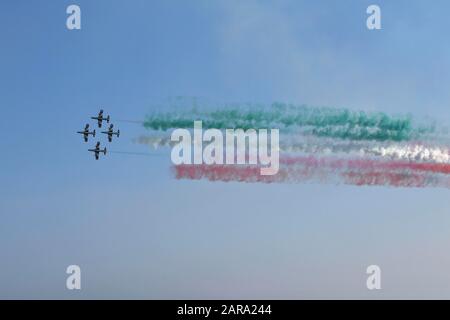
(365, 164)
(326, 170)
(246, 173)
(225, 173)
(228, 173)
(393, 179)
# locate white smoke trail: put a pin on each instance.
(156, 141)
(414, 153)
(407, 151)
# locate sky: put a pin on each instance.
(138, 233)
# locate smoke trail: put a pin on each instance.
(131, 121)
(136, 153)
(416, 152)
(328, 170)
(249, 174)
(410, 151)
(154, 141)
(376, 178)
(316, 121)
(312, 162)
(319, 144)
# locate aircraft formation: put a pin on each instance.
(110, 133)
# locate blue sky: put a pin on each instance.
(134, 230)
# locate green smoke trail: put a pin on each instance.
(317, 121)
